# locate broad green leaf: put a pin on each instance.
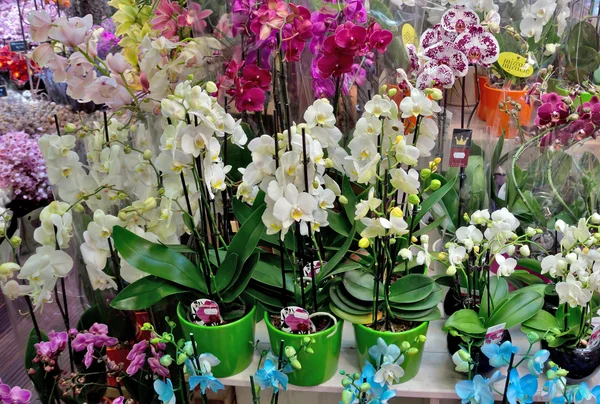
(348, 192)
(158, 260)
(354, 319)
(466, 321)
(432, 300)
(331, 265)
(144, 293)
(336, 300)
(271, 301)
(246, 239)
(345, 267)
(268, 272)
(350, 300)
(422, 315)
(411, 288)
(431, 226)
(338, 223)
(498, 292)
(227, 273)
(514, 311)
(234, 290)
(542, 322)
(531, 264)
(432, 199)
(360, 285)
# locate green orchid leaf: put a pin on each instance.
(268, 272)
(235, 289)
(350, 300)
(411, 288)
(465, 321)
(498, 292)
(432, 199)
(341, 304)
(427, 303)
(158, 260)
(227, 273)
(345, 267)
(246, 239)
(516, 309)
(431, 226)
(360, 285)
(354, 319)
(333, 262)
(541, 322)
(338, 223)
(417, 316)
(145, 293)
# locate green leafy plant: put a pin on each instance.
(172, 273)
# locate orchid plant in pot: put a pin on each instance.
(567, 331)
(487, 309)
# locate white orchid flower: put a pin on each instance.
(407, 182)
(367, 205)
(506, 266)
(571, 291)
(389, 373)
(294, 206)
(320, 113)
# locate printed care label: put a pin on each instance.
(460, 147)
(494, 334)
(297, 320)
(17, 46)
(595, 337)
(3, 91)
(206, 312)
(409, 36)
(515, 64)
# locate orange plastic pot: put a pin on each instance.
(481, 110)
(497, 119)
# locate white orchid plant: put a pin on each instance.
(574, 268)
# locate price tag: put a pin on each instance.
(494, 334)
(409, 36)
(460, 147)
(18, 46)
(3, 91)
(206, 312)
(297, 320)
(595, 337)
(515, 64)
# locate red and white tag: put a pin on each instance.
(494, 334)
(206, 312)
(297, 320)
(307, 270)
(595, 337)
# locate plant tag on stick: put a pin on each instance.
(307, 269)
(460, 147)
(296, 320)
(595, 337)
(494, 334)
(206, 312)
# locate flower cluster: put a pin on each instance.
(562, 124)
(248, 88)
(22, 169)
(449, 47)
(170, 17)
(14, 395)
(47, 352)
(576, 268)
(520, 389)
(11, 27)
(291, 171)
(373, 384)
(89, 340)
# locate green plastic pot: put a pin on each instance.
(318, 367)
(577, 101)
(367, 337)
(232, 344)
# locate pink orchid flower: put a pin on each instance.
(447, 53)
(459, 19)
(73, 31)
(195, 17)
(435, 75)
(480, 46)
(166, 18)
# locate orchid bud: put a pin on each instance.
(595, 218)
(524, 250)
(310, 351)
(346, 382)
(7, 269)
(343, 200)
(392, 92)
(442, 256)
(533, 337)
(422, 338)
(392, 241)
(404, 346)
(510, 249)
(155, 341)
(70, 128)
(414, 239)
(122, 196)
(464, 355)
(412, 351)
(435, 185)
(550, 338)
(451, 271)
(454, 333)
(425, 173)
(551, 374)
(211, 87)
(79, 208)
(147, 155)
(166, 360)
(181, 358)
(494, 27)
(571, 258)
(552, 364)
(15, 241)
(365, 387)
(328, 163)
(364, 242)
(150, 203)
(414, 199)
(290, 351)
(383, 89)
(122, 216)
(397, 212)
(296, 364)
(347, 396)
(476, 249)
(306, 340)
(437, 160)
(562, 372)
(530, 232)
(355, 376)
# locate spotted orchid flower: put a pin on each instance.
(435, 75)
(447, 53)
(459, 19)
(480, 46)
(435, 35)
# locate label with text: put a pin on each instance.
(494, 334)
(409, 36)
(515, 64)
(460, 147)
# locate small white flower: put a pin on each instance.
(572, 292)
(320, 113)
(389, 373)
(12, 289)
(406, 182)
(456, 254)
(480, 217)
(294, 206)
(418, 104)
(506, 266)
(524, 250)
(469, 236)
(379, 106)
(375, 227)
(364, 206)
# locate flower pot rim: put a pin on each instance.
(564, 348)
(239, 320)
(420, 327)
(324, 332)
(487, 86)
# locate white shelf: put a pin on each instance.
(436, 378)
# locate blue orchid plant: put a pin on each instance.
(372, 385)
(273, 373)
(518, 389)
(187, 361)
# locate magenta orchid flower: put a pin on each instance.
(16, 395)
(447, 53)
(553, 111)
(459, 19)
(435, 75)
(435, 35)
(380, 39)
(166, 18)
(480, 46)
(250, 98)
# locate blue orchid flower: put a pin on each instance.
(535, 365)
(476, 391)
(390, 353)
(269, 376)
(165, 391)
(522, 389)
(553, 389)
(206, 381)
(582, 394)
(499, 355)
(378, 393)
(286, 369)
